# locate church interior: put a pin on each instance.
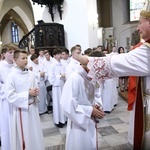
(89, 23)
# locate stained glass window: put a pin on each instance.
(135, 8)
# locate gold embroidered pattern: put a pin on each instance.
(147, 125)
(147, 44)
(147, 111)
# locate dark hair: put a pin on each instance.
(87, 51)
(104, 50)
(34, 56)
(120, 49)
(47, 52)
(94, 48)
(97, 54)
(41, 50)
(65, 50)
(17, 53)
(56, 51)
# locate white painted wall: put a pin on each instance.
(6, 37)
(122, 29)
(100, 36)
(92, 23)
(76, 23)
(21, 33)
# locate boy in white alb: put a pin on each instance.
(65, 57)
(32, 51)
(77, 103)
(21, 93)
(74, 64)
(57, 80)
(41, 57)
(39, 72)
(5, 68)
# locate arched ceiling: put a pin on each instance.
(23, 17)
(12, 15)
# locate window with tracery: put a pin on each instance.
(135, 8)
(14, 32)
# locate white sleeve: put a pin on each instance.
(69, 70)
(17, 99)
(1, 88)
(98, 96)
(72, 107)
(53, 77)
(134, 63)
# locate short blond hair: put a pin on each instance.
(8, 47)
(74, 48)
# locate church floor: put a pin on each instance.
(112, 130)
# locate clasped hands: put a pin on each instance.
(62, 75)
(34, 91)
(97, 112)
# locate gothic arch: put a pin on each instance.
(21, 12)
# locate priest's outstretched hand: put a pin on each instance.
(34, 91)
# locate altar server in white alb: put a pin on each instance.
(5, 68)
(74, 64)
(47, 62)
(57, 80)
(41, 77)
(77, 103)
(41, 57)
(65, 57)
(134, 63)
(21, 93)
(31, 52)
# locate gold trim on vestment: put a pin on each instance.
(147, 44)
(144, 116)
(147, 116)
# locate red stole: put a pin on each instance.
(132, 86)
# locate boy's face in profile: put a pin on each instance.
(36, 61)
(9, 55)
(57, 57)
(21, 61)
(76, 54)
(32, 51)
(47, 56)
(64, 55)
(41, 53)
